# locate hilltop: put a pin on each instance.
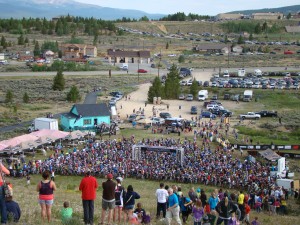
(285, 10)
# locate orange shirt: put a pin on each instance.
(4, 170)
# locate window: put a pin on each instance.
(87, 122)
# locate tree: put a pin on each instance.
(156, 90)
(265, 27)
(144, 18)
(25, 98)
(21, 40)
(194, 88)
(241, 40)
(9, 96)
(59, 81)
(37, 50)
(3, 42)
(172, 87)
(257, 28)
(289, 16)
(167, 45)
(251, 37)
(181, 59)
(73, 95)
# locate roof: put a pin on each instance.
(269, 155)
(86, 110)
(211, 46)
(292, 29)
(120, 53)
(78, 46)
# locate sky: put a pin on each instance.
(201, 7)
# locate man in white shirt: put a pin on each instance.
(161, 196)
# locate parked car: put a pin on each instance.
(142, 71)
(165, 115)
(157, 120)
(250, 115)
(206, 84)
(189, 97)
(214, 97)
(194, 110)
(265, 113)
(206, 114)
(181, 97)
(132, 118)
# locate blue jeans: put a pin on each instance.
(3, 206)
(88, 211)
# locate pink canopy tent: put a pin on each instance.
(34, 139)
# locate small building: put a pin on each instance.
(212, 48)
(120, 56)
(268, 16)
(237, 49)
(292, 29)
(229, 16)
(2, 56)
(78, 50)
(48, 55)
(85, 116)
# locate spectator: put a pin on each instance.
(119, 198)
(255, 221)
(173, 208)
(66, 213)
(108, 198)
(213, 201)
(46, 189)
(185, 205)
(3, 211)
(140, 212)
(161, 197)
(225, 208)
(13, 209)
(198, 212)
(129, 200)
(88, 187)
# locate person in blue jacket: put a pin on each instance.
(129, 200)
(13, 209)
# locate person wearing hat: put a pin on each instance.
(108, 198)
(88, 187)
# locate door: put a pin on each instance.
(95, 122)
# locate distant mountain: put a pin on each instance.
(54, 8)
(285, 10)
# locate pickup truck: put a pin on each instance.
(250, 115)
(265, 113)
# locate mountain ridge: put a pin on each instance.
(285, 10)
(54, 8)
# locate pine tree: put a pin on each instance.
(167, 45)
(181, 59)
(59, 81)
(3, 42)
(9, 96)
(73, 95)
(156, 90)
(37, 50)
(21, 40)
(251, 37)
(194, 88)
(25, 98)
(172, 87)
(240, 40)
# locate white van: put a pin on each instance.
(124, 66)
(258, 72)
(241, 72)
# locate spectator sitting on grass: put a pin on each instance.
(13, 210)
(66, 213)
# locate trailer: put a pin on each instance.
(43, 123)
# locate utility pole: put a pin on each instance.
(159, 63)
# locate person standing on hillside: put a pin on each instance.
(3, 211)
(173, 208)
(88, 187)
(119, 199)
(46, 189)
(108, 198)
(161, 196)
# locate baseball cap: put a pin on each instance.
(109, 176)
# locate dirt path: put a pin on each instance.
(161, 27)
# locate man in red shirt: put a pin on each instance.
(88, 187)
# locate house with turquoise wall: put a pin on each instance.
(85, 116)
